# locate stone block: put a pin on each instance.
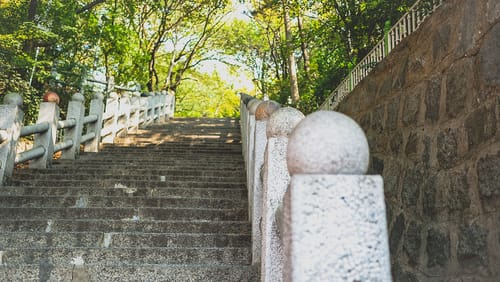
(411, 107)
(412, 184)
(365, 121)
(488, 168)
(396, 142)
(426, 154)
(392, 172)
(438, 248)
(385, 88)
(458, 198)
(336, 229)
(459, 85)
(401, 69)
(411, 148)
(412, 242)
(378, 119)
(391, 121)
(447, 148)
(396, 233)
(399, 274)
(472, 245)
(432, 99)
(481, 126)
(489, 64)
(429, 197)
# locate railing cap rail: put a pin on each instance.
(328, 142)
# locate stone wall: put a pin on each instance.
(431, 114)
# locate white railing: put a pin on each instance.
(315, 214)
(120, 114)
(404, 27)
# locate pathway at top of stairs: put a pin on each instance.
(167, 203)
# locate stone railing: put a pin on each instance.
(408, 23)
(316, 215)
(102, 123)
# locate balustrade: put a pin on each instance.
(120, 115)
(316, 215)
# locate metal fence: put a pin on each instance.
(404, 27)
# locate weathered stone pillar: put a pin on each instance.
(11, 118)
(252, 107)
(96, 109)
(76, 111)
(49, 112)
(335, 226)
(111, 124)
(275, 182)
(262, 114)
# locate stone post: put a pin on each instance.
(49, 112)
(252, 107)
(113, 109)
(262, 114)
(11, 118)
(97, 109)
(275, 182)
(125, 112)
(76, 111)
(135, 115)
(334, 215)
(144, 110)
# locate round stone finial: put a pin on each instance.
(252, 105)
(266, 109)
(13, 98)
(52, 97)
(78, 97)
(328, 142)
(283, 121)
(98, 96)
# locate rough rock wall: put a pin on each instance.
(431, 114)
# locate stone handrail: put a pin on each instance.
(408, 23)
(102, 124)
(315, 214)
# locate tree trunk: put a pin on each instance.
(292, 69)
(303, 46)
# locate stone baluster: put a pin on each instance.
(49, 112)
(11, 118)
(97, 109)
(275, 182)
(113, 108)
(135, 114)
(125, 111)
(252, 107)
(262, 114)
(334, 215)
(76, 111)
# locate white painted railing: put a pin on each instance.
(404, 27)
(315, 215)
(103, 123)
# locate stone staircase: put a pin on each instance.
(167, 203)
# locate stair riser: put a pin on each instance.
(133, 177)
(119, 240)
(230, 193)
(232, 227)
(124, 214)
(106, 202)
(64, 257)
(119, 183)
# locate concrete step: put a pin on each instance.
(124, 273)
(21, 240)
(88, 201)
(130, 184)
(104, 172)
(128, 256)
(106, 225)
(130, 176)
(219, 193)
(125, 213)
